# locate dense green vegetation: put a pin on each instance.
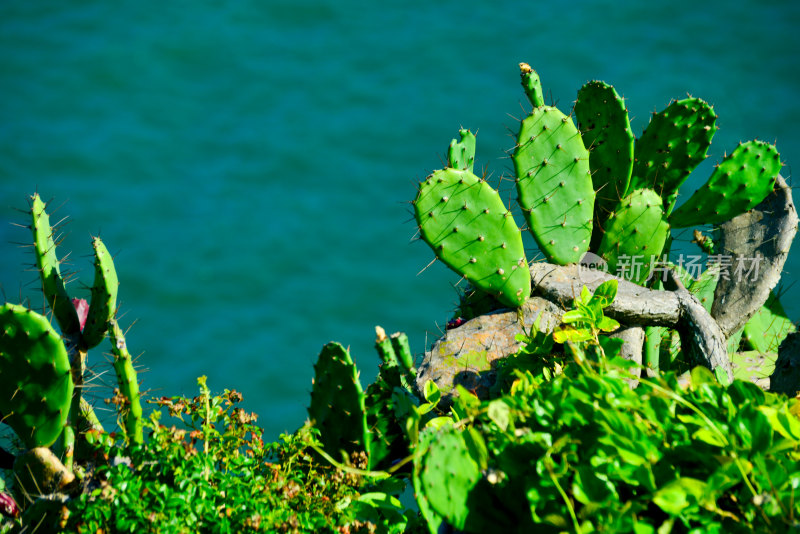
(571, 438)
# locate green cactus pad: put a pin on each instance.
(738, 184)
(606, 131)
(448, 475)
(131, 412)
(337, 403)
(388, 441)
(554, 184)
(673, 144)
(433, 519)
(466, 224)
(532, 85)
(461, 154)
(44, 248)
(635, 235)
(754, 366)
(766, 330)
(35, 382)
(104, 296)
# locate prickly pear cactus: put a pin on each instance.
(44, 249)
(739, 183)
(461, 154)
(673, 144)
(104, 296)
(466, 224)
(554, 183)
(337, 403)
(606, 131)
(35, 382)
(448, 474)
(635, 235)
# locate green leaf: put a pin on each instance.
(574, 316)
(722, 376)
(607, 324)
(431, 392)
(439, 422)
(702, 375)
(586, 295)
(499, 413)
(568, 333)
(709, 436)
(605, 293)
(680, 494)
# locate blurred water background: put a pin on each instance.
(250, 163)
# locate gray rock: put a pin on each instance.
(466, 355)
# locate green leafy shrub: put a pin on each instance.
(576, 449)
(213, 473)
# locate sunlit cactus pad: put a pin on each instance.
(35, 382)
(554, 184)
(470, 229)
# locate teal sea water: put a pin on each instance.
(250, 163)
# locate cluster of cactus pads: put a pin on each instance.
(42, 369)
(352, 421)
(591, 187)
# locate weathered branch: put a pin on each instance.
(633, 341)
(762, 235)
(701, 337)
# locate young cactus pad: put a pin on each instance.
(606, 131)
(461, 154)
(104, 295)
(44, 248)
(466, 224)
(35, 382)
(337, 402)
(673, 144)
(131, 412)
(554, 184)
(738, 184)
(635, 235)
(532, 85)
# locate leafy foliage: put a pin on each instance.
(581, 451)
(213, 473)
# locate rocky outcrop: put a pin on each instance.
(466, 355)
